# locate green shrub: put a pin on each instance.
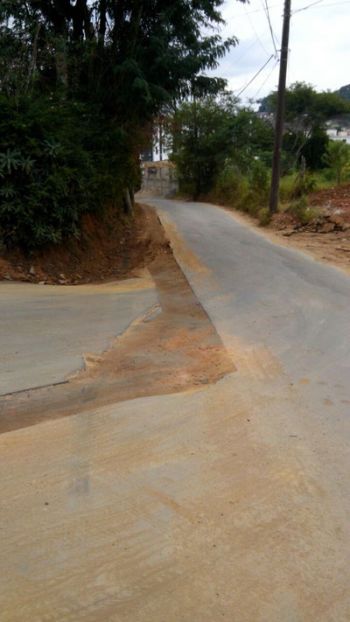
(231, 186)
(337, 158)
(64, 164)
(302, 212)
(258, 183)
(286, 187)
(248, 193)
(264, 216)
(296, 185)
(304, 184)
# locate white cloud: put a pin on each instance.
(319, 44)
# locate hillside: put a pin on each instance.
(344, 92)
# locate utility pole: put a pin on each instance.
(281, 96)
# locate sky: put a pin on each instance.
(319, 45)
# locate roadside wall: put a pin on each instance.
(159, 178)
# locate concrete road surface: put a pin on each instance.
(45, 330)
(228, 502)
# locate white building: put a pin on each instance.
(338, 132)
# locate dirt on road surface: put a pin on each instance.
(223, 501)
(173, 348)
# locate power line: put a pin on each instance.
(273, 6)
(266, 9)
(255, 76)
(277, 6)
(255, 32)
(266, 79)
(309, 6)
(245, 52)
(267, 13)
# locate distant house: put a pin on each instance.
(338, 128)
(159, 178)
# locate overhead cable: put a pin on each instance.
(276, 6)
(267, 13)
(255, 76)
(255, 32)
(266, 79)
(309, 6)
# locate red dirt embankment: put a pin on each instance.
(334, 200)
(327, 236)
(109, 248)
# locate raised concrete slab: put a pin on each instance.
(45, 330)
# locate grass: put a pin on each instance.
(236, 190)
(321, 180)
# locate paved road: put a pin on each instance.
(265, 293)
(45, 331)
(270, 297)
(226, 502)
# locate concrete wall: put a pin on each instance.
(159, 178)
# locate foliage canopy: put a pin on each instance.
(79, 82)
(207, 133)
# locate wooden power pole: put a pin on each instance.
(281, 96)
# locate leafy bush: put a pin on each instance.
(297, 185)
(337, 157)
(231, 186)
(80, 85)
(59, 169)
(304, 184)
(302, 212)
(258, 183)
(264, 216)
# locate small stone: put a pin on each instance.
(327, 227)
(337, 220)
(8, 277)
(32, 270)
(287, 234)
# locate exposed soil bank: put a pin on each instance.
(174, 348)
(109, 248)
(335, 199)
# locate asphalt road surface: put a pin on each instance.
(230, 501)
(275, 299)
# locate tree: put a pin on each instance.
(252, 139)
(337, 157)
(88, 77)
(344, 91)
(306, 114)
(201, 135)
(209, 132)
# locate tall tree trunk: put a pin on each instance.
(103, 22)
(128, 201)
(61, 61)
(32, 65)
